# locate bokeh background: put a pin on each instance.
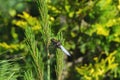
(91, 29)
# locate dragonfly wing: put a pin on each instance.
(64, 50)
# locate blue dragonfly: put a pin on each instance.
(58, 45)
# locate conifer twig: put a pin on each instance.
(46, 31)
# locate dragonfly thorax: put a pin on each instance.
(56, 43)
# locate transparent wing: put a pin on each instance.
(64, 50)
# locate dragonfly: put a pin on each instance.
(59, 45)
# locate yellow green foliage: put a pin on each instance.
(27, 21)
(11, 47)
(104, 29)
(119, 5)
(99, 69)
(101, 30)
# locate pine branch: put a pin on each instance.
(46, 31)
(59, 60)
(8, 70)
(35, 53)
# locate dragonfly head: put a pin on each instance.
(56, 42)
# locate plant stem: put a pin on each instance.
(48, 68)
(46, 31)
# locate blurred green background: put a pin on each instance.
(91, 29)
